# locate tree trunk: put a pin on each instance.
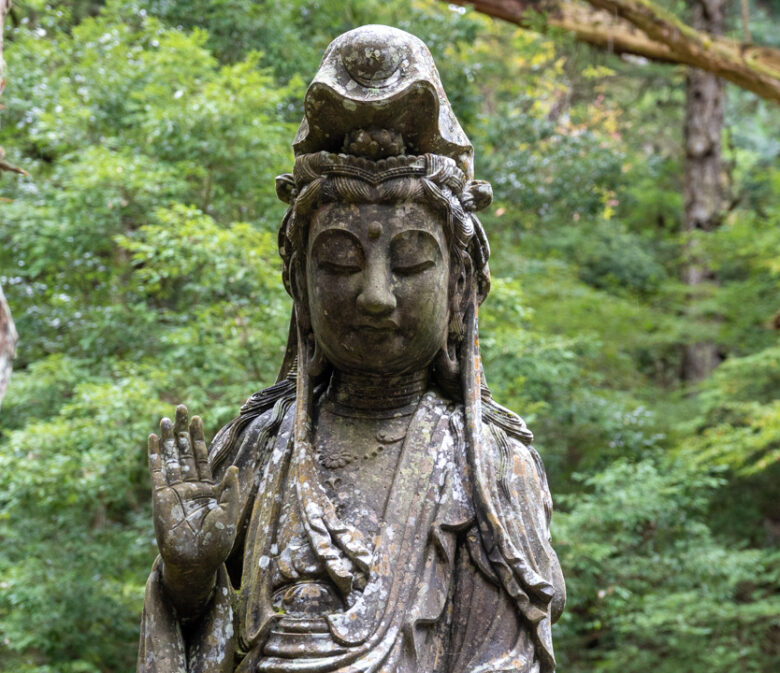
(703, 183)
(7, 344)
(5, 6)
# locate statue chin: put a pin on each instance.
(379, 510)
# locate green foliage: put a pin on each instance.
(140, 264)
(166, 125)
(651, 587)
(738, 429)
(740, 423)
(143, 271)
(220, 308)
(235, 27)
(542, 172)
(75, 527)
(612, 259)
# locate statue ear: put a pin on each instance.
(312, 359)
(461, 280)
(477, 195)
(285, 187)
(446, 364)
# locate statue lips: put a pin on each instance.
(379, 328)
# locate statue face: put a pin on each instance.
(377, 280)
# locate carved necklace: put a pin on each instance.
(372, 396)
(334, 457)
(376, 398)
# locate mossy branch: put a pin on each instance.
(642, 28)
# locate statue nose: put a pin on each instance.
(377, 297)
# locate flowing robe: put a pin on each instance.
(426, 595)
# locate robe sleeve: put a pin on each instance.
(488, 633)
(514, 507)
(169, 645)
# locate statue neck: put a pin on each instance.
(376, 392)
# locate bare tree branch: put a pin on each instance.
(5, 7)
(642, 28)
(8, 339)
(8, 334)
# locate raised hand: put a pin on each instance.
(195, 520)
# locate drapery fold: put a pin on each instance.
(430, 553)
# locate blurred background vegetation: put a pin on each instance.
(139, 261)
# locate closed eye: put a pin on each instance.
(339, 269)
(411, 269)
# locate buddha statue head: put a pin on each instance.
(383, 253)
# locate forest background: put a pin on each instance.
(139, 261)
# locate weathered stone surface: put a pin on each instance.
(375, 510)
(381, 77)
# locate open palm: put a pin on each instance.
(194, 518)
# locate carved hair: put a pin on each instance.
(431, 179)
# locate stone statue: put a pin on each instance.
(375, 510)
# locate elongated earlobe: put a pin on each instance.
(316, 363)
(303, 396)
(311, 360)
(299, 293)
(447, 363)
(446, 369)
(460, 294)
(290, 351)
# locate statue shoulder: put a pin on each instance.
(518, 468)
(513, 501)
(507, 453)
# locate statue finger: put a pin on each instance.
(171, 467)
(155, 463)
(228, 495)
(200, 448)
(189, 471)
(180, 420)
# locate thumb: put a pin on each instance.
(228, 492)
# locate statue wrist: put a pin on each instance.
(189, 590)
